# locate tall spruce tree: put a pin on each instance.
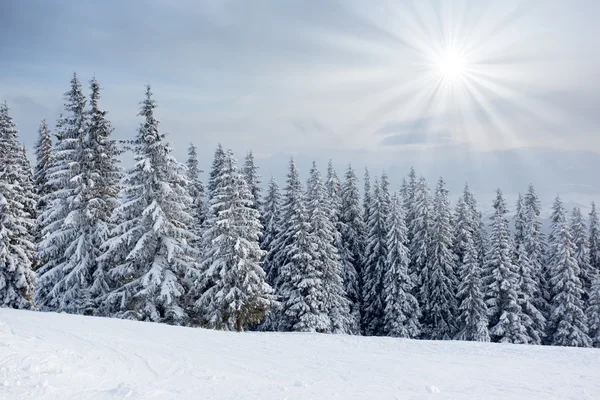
(568, 323)
(438, 277)
(419, 231)
(236, 294)
(582, 252)
(594, 239)
(271, 212)
(324, 237)
(17, 278)
(366, 195)
(593, 311)
(508, 323)
(43, 153)
(215, 170)
(401, 310)
(148, 250)
(353, 235)
(195, 189)
(409, 198)
(253, 180)
(65, 278)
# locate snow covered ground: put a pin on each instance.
(58, 356)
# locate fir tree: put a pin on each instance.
(253, 180)
(567, 325)
(271, 210)
(196, 192)
(419, 232)
(376, 254)
(65, 277)
(366, 196)
(582, 252)
(472, 310)
(215, 171)
(353, 232)
(17, 279)
(593, 311)
(409, 198)
(594, 239)
(236, 293)
(401, 309)
(508, 323)
(43, 151)
(148, 249)
(326, 254)
(438, 279)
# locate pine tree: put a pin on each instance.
(520, 223)
(594, 239)
(401, 309)
(253, 180)
(366, 196)
(326, 254)
(472, 310)
(43, 151)
(148, 248)
(419, 233)
(593, 311)
(353, 232)
(17, 278)
(215, 170)
(568, 323)
(271, 210)
(195, 189)
(438, 277)
(66, 275)
(582, 252)
(299, 282)
(508, 323)
(409, 197)
(376, 254)
(236, 293)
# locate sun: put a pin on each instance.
(451, 65)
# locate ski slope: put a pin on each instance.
(59, 356)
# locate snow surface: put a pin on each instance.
(59, 356)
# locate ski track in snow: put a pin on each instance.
(59, 356)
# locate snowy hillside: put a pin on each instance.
(59, 356)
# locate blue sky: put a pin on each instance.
(348, 80)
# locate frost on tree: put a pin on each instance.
(409, 191)
(437, 278)
(353, 233)
(272, 223)
(300, 285)
(582, 251)
(326, 257)
(593, 311)
(215, 170)
(376, 254)
(17, 279)
(253, 180)
(401, 309)
(65, 277)
(86, 176)
(148, 249)
(568, 322)
(195, 189)
(235, 291)
(419, 233)
(507, 321)
(594, 239)
(43, 154)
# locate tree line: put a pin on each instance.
(78, 234)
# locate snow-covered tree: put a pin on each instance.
(593, 311)
(594, 239)
(409, 191)
(66, 250)
(353, 232)
(582, 251)
(568, 323)
(472, 311)
(438, 277)
(401, 310)
(195, 189)
(465, 225)
(148, 250)
(271, 210)
(419, 233)
(236, 293)
(43, 151)
(17, 279)
(253, 180)
(215, 170)
(326, 258)
(300, 285)
(366, 195)
(508, 323)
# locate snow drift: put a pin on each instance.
(59, 356)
